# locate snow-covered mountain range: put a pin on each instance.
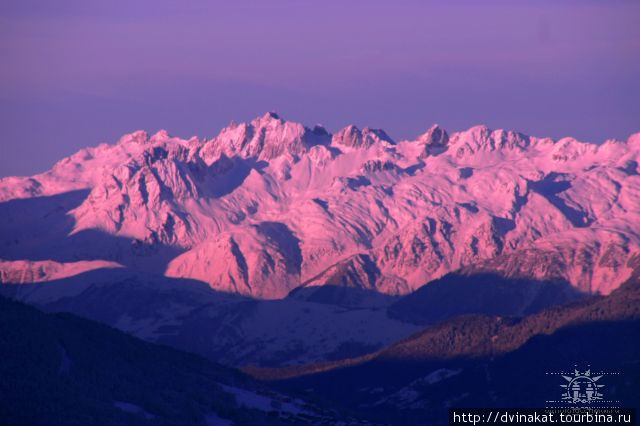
(278, 244)
(271, 205)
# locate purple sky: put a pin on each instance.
(76, 73)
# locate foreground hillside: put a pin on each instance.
(482, 361)
(58, 369)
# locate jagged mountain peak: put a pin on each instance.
(160, 136)
(434, 135)
(269, 119)
(271, 115)
(320, 130)
(265, 138)
(415, 210)
(138, 137)
(352, 136)
(434, 140)
(481, 138)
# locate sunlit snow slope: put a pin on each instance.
(270, 205)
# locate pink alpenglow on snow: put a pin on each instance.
(271, 205)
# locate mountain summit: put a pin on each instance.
(270, 205)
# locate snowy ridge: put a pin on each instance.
(269, 205)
